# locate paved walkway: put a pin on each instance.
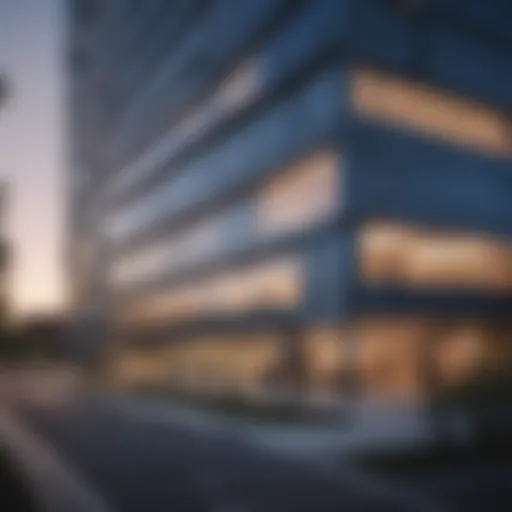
(362, 427)
(141, 459)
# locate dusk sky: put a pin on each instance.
(32, 149)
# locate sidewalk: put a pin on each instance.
(61, 489)
(361, 427)
(324, 447)
(57, 486)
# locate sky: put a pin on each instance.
(32, 151)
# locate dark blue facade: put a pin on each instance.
(187, 164)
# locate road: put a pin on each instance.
(139, 462)
(486, 488)
(137, 465)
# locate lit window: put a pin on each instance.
(396, 254)
(272, 285)
(224, 362)
(398, 101)
(392, 358)
(324, 358)
(461, 349)
(408, 357)
(300, 195)
(295, 199)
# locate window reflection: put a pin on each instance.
(226, 167)
(233, 94)
(298, 197)
(185, 248)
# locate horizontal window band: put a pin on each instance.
(252, 253)
(429, 111)
(295, 200)
(273, 283)
(181, 142)
(301, 195)
(422, 258)
(394, 356)
(264, 20)
(252, 322)
(275, 136)
(425, 354)
(240, 189)
(218, 130)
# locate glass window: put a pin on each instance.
(295, 199)
(281, 131)
(270, 285)
(199, 242)
(300, 195)
(404, 255)
(392, 357)
(324, 358)
(407, 357)
(438, 114)
(210, 363)
(227, 362)
(239, 87)
(141, 264)
(233, 93)
(462, 348)
(395, 357)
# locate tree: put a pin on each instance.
(4, 89)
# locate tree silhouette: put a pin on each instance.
(4, 89)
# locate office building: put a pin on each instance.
(304, 194)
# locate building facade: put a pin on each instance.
(308, 194)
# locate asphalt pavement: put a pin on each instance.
(137, 465)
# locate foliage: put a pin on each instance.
(17, 346)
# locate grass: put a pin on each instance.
(15, 493)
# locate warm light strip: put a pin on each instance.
(398, 101)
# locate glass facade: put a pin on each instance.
(262, 196)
